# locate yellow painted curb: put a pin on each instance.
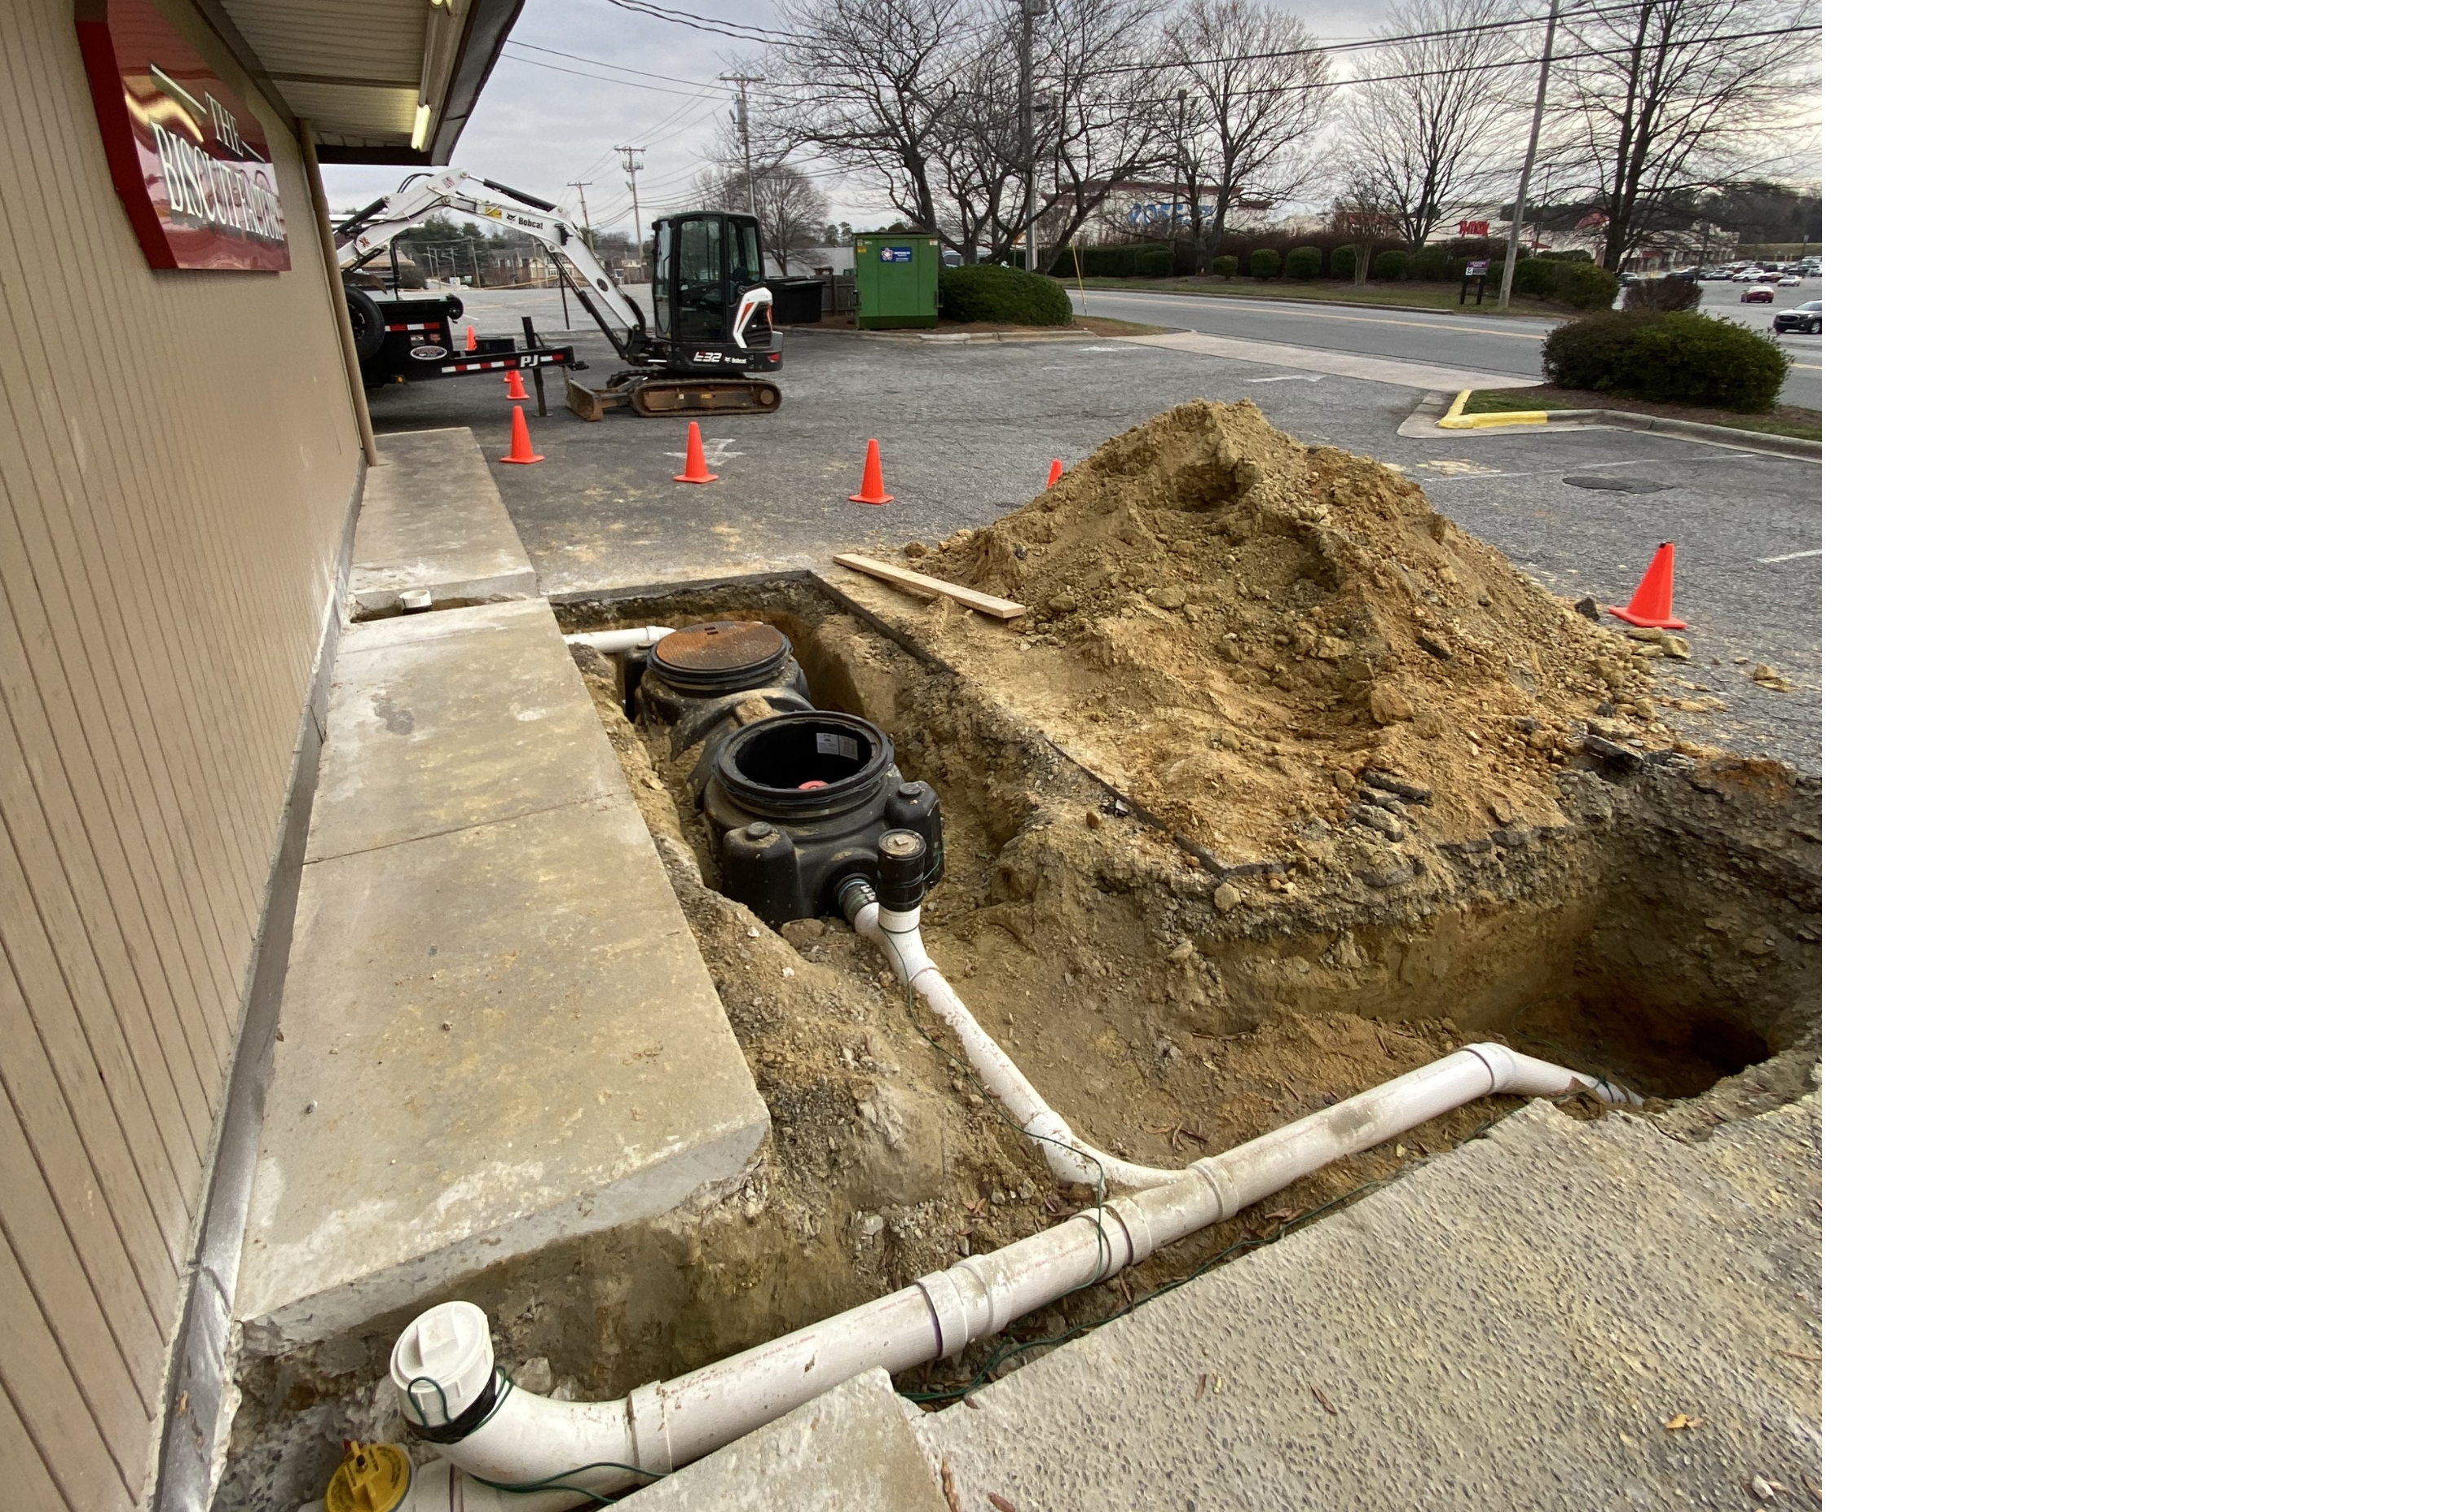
(1456, 420)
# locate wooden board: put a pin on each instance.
(981, 602)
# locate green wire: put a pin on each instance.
(555, 1481)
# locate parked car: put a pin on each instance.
(1757, 293)
(1764, 276)
(1789, 280)
(1805, 317)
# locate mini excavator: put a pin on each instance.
(711, 333)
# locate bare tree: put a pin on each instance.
(793, 212)
(1678, 97)
(1431, 123)
(1100, 122)
(877, 87)
(1249, 91)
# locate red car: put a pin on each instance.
(1759, 294)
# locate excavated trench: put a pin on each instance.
(1665, 936)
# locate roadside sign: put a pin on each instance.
(1476, 266)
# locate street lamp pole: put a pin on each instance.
(1531, 152)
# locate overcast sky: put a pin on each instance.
(541, 123)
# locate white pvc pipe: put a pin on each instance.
(1071, 1158)
(642, 637)
(668, 1424)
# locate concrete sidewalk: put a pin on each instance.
(495, 1028)
(1515, 1325)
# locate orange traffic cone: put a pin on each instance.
(696, 470)
(513, 388)
(871, 492)
(471, 336)
(521, 449)
(1653, 606)
(1053, 476)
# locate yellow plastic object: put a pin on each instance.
(1456, 420)
(372, 1477)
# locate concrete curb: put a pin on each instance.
(1422, 426)
(978, 337)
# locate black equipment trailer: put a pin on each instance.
(412, 340)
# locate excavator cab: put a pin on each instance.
(701, 264)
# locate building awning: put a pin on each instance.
(382, 81)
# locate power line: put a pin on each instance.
(786, 91)
(1594, 10)
(742, 31)
(623, 84)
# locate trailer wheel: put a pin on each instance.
(367, 323)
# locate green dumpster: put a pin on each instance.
(897, 280)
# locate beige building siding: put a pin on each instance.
(180, 458)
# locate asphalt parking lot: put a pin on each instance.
(967, 433)
(1469, 338)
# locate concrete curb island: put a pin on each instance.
(1428, 422)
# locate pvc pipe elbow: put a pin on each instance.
(1514, 1074)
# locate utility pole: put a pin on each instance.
(633, 166)
(1530, 151)
(744, 130)
(577, 185)
(1027, 12)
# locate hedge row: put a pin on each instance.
(1568, 277)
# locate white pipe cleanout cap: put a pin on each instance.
(442, 1362)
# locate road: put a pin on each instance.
(1493, 344)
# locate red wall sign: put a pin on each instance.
(1472, 228)
(190, 162)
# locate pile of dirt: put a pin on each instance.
(1251, 624)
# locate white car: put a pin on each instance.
(1789, 280)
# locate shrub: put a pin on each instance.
(1427, 265)
(1301, 262)
(1679, 356)
(1568, 255)
(1266, 263)
(1387, 265)
(1538, 277)
(1663, 294)
(1154, 262)
(1586, 287)
(990, 290)
(1224, 266)
(1343, 263)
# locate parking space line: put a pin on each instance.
(1793, 555)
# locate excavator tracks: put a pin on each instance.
(675, 396)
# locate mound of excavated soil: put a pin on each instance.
(1250, 623)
